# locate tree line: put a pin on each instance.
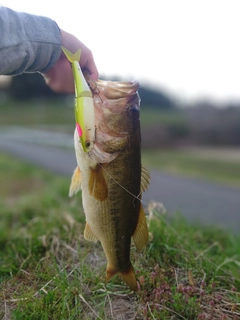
(202, 123)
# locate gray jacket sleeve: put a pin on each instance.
(28, 43)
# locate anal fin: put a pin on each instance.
(75, 185)
(88, 234)
(140, 236)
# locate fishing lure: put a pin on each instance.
(84, 106)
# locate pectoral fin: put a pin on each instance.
(140, 236)
(97, 185)
(75, 182)
(88, 234)
(145, 179)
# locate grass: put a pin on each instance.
(184, 162)
(60, 113)
(151, 117)
(50, 115)
(48, 270)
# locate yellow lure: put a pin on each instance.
(84, 106)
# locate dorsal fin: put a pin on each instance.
(140, 236)
(145, 179)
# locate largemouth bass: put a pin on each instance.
(112, 178)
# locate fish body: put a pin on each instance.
(84, 106)
(112, 178)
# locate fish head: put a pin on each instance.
(117, 113)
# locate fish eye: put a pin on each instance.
(133, 110)
(87, 144)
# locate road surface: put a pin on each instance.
(208, 203)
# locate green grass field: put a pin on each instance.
(61, 113)
(49, 271)
(35, 113)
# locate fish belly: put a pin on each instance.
(114, 219)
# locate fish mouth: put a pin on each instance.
(113, 123)
(112, 90)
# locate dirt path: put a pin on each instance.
(226, 153)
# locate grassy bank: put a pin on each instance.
(37, 113)
(59, 114)
(48, 270)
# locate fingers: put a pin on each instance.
(60, 78)
(86, 61)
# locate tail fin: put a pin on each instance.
(72, 56)
(128, 277)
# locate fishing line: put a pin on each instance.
(136, 197)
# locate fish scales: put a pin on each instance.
(109, 226)
(110, 177)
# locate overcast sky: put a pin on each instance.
(188, 47)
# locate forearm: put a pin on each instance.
(28, 43)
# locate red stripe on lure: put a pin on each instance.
(79, 129)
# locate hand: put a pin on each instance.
(60, 78)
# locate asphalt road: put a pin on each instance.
(208, 203)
